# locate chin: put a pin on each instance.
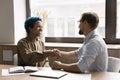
(81, 32)
(38, 35)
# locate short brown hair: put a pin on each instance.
(92, 19)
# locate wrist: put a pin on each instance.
(47, 52)
(60, 65)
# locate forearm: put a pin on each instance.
(44, 54)
(28, 55)
(47, 52)
(36, 57)
(70, 67)
(31, 56)
(68, 57)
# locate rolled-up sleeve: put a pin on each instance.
(87, 56)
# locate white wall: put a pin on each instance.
(19, 18)
(12, 16)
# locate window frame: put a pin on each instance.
(110, 26)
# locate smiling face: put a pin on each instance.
(37, 28)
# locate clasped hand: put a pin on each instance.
(55, 53)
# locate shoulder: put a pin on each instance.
(97, 42)
(21, 41)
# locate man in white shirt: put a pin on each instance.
(92, 56)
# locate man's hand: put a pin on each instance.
(73, 67)
(56, 65)
(55, 53)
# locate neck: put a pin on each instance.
(31, 37)
(87, 32)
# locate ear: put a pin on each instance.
(86, 23)
(30, 29)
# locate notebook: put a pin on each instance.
(21, 69)
(49, 74)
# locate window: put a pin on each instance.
(118, 19)
(62, 16)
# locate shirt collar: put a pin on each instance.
(30, 39)
(89, 35)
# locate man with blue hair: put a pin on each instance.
(31, 50)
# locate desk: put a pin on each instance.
(69, 76)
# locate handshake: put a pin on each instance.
(54, 56)
(55, 53)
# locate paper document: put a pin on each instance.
(49, 74)
(5, 72)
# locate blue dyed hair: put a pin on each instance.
(29, 23)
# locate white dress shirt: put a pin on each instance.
(93, 55)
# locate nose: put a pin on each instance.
(40, 30)
(79, 25)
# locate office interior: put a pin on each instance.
(13, 14)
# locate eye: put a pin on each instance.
(38, 27)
